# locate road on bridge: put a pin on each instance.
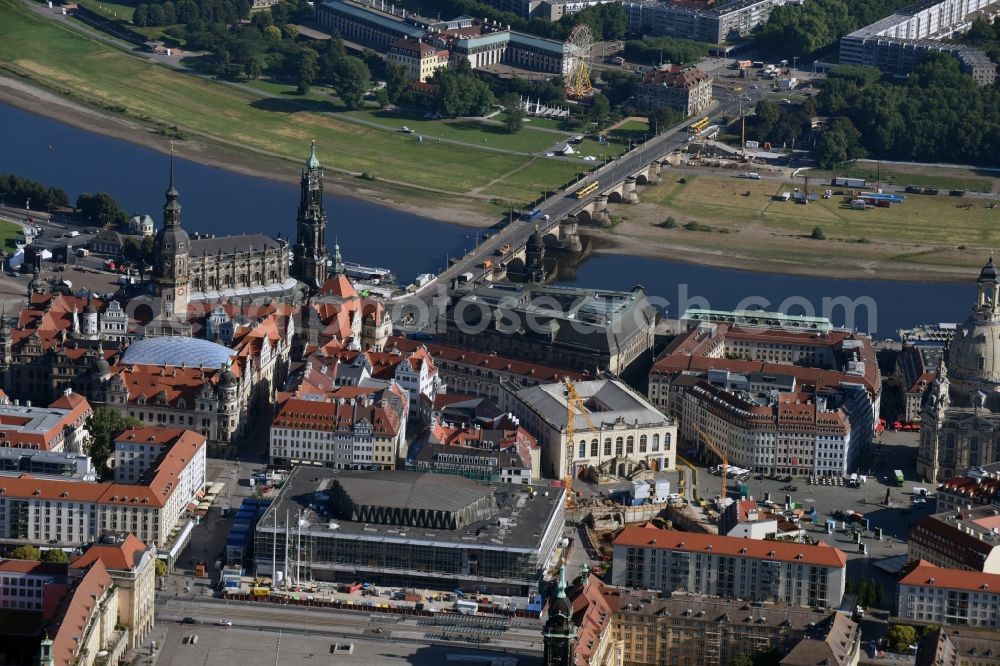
(563, 202)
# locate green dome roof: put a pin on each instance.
(313, 161)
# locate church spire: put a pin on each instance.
(172, 208)
(338, 262)
(309, 256)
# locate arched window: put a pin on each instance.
(642, 443)
(666, 441)
(619, 446)
(593, 448)
(583, 449)
(630, 445)
(656, 442)
(607, 446)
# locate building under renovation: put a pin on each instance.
(408, 529)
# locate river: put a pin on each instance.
(220, 202)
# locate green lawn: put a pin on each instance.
(8, 233)
(551, 172)
(940, 177)
(85, 69)
(599, 150)
(630, 129)
(528, 140)
(546, 123)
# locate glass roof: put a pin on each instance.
(176, 350)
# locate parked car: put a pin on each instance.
(225, 623)
(190, 620)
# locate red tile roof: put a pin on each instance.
(928, 575)
(820, 554)
(675, 76)
(119, 557)
(543, 374)
(76, 612)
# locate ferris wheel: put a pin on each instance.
(581, 41)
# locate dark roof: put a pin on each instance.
(232, 244)
(412, 490)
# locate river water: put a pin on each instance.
(220, 202)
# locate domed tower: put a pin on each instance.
(559, 634)
(309, 254)
(170, 256)
(974, 353)
(88, 325)
(228, 399)
(534, 257)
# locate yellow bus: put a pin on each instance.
(586, 189)
(698, 125)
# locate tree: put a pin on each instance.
(600, 109)
(26, 553)
(101, 208)
(767, 112)
(103, 426)
(513, 119)
(55, 555)
(253, 66)
(817, 234)
(160, 567)
(382, 98)
(307, 66)
(900, 637)
(350, 77)
(156, 16)
(140, 17)
(460, 92)
(169, 13)
(741, 660)
(272, 33)
(397, 79)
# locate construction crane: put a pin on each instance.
(574, 404)
(722, 456)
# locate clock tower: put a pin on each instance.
(309, 256)
(170, 257)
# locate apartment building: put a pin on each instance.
(978, 487)
(132, 566)
(645, 628)
(684, 89)
(352, 428)
(967, 540)
(700, 20)
(57, 428)
(630, 433)
(785, 398)
(912, 378)
(73, 513)
(672, 561)
(25, 584)
(950, 646)
(934, 595)
(420, 58)
(52, 464)
(896, 43)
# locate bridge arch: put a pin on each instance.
(583, 216)
(642, 179)
(615, 196)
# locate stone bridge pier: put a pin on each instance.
(629, 195)
(569, 236)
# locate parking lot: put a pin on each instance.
(897, 450)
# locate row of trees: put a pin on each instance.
(810, 27)
(656, 50)
(938, 114)
(186, 12)
(17, 191)
(33, 553)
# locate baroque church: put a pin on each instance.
(960, 416)
(242, 267)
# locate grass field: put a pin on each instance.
(100, 75)
(630, 129)
(937, 176)
(545, 123)
(8, 233)
(528, 140)
(940, 233)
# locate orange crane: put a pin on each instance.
(574, 404)
(722, 456)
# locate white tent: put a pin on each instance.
(567, 150)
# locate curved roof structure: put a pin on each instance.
(176, 350)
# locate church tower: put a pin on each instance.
(310, 255)
(534, 257)
(170, 257)
(559, 634)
